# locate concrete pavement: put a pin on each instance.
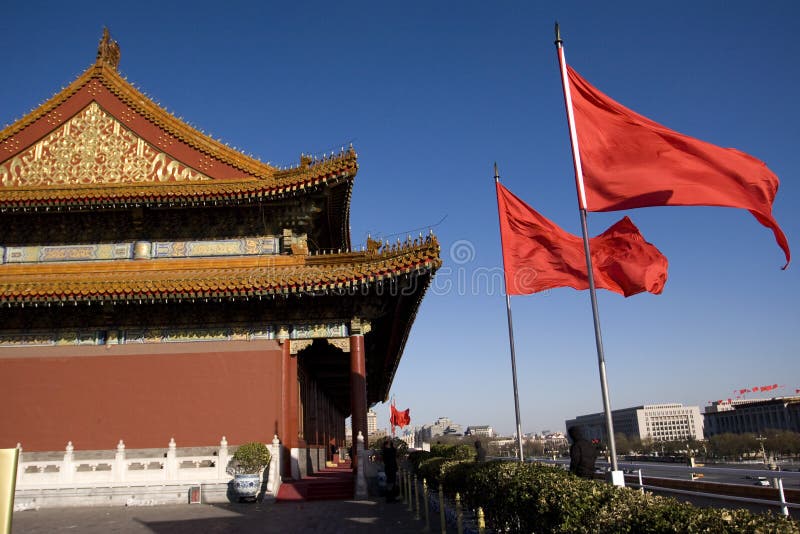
(324, 517)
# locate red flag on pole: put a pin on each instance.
(539, 255)
(630, 161)
(399, 418)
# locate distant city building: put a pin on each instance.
(480, 430)
(659, 422)
(442, 427)
(555, 441)
(372, 422)
(551, 441)
(409, 439)
(753, 416)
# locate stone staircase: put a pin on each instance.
(331, 483)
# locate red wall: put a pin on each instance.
(142, 394)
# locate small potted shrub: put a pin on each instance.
(248, 463)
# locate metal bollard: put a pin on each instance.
(441, 509)
(410, 494)
(481, 521)
(427, 527)
(399, 483)
(459, 515)
(416, 499)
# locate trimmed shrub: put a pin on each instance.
(417, 457)
(453, 452)
(430, 469)
(454, 475)
(251, 458)
(518, 497)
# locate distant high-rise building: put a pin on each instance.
(753, 415)
(659, 422)
(372, 422)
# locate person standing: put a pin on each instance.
(480, 452)
(582, 454)
(389, 454)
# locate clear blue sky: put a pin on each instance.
(431, 94)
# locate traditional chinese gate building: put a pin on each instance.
(156, 283)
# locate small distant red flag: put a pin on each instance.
(630, 161)
(538, 255)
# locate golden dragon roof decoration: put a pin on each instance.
(108, 50)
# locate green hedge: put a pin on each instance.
(417, 457)
(453, 452)
(531, 498)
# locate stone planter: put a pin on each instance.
(247, 486)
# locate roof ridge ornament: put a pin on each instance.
(108, 50)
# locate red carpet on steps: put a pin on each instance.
(331, 483)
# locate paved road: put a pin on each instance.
(324, 517)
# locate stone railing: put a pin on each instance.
(124, 469)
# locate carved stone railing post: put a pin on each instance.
(274, 468)
(361, 472)
(171, 469)
(67, 472)
(222, 459)
(120, 466)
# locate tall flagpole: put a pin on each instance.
(576, 160)
(510, 330)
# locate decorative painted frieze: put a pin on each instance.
(142, 250)
(318, 330)
(228, 247)
(301, 335)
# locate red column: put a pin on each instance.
(289, 407)
(358, 387)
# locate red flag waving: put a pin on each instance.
(539, 255)
(630, 161)
(399, 418)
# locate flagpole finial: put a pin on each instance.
(496, 173)
(558, 40)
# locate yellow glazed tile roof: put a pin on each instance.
(234, 277)
(228, 174)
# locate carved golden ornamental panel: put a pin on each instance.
(93, 148)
